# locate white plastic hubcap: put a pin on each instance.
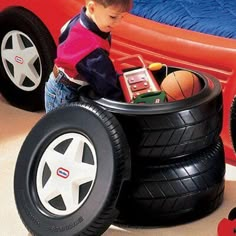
(66, 173)
(21, 60)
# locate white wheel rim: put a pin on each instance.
(21, 60)
(62, 175)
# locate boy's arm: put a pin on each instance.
(99, 72)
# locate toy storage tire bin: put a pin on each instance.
(170, 129)
(32, 65)
(174, 192)
(70, 170)
(117, 179)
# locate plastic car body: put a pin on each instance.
(156, 43)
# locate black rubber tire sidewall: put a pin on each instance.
(24, 21)
(233, 123)
(99, 210)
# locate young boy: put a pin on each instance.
(83, 54)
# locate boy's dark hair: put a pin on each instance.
(125, 5)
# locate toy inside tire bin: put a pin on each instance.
(169, 129)
(25, 88)
(174, 192)
(70, 170)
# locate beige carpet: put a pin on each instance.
(14, 126)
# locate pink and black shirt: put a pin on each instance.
(83, 53)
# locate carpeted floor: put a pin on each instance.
(14, 126)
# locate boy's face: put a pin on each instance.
(106, 18)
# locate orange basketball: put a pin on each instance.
(180, 84)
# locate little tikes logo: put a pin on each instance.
(63, 173)
(19, 60)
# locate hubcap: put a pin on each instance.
(66, 173)
(21, 60)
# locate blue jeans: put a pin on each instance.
(58, 94)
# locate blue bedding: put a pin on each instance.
(216, 17)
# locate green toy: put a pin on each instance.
(151, 97)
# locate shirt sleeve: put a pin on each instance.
(98, 70)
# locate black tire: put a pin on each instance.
(233, 123)
(45, 146)
(28, 92)
(170, 130)
(175, 192)
(232, 214)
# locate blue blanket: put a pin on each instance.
(216, 17)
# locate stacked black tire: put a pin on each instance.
(178, 163)
(176, 191)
